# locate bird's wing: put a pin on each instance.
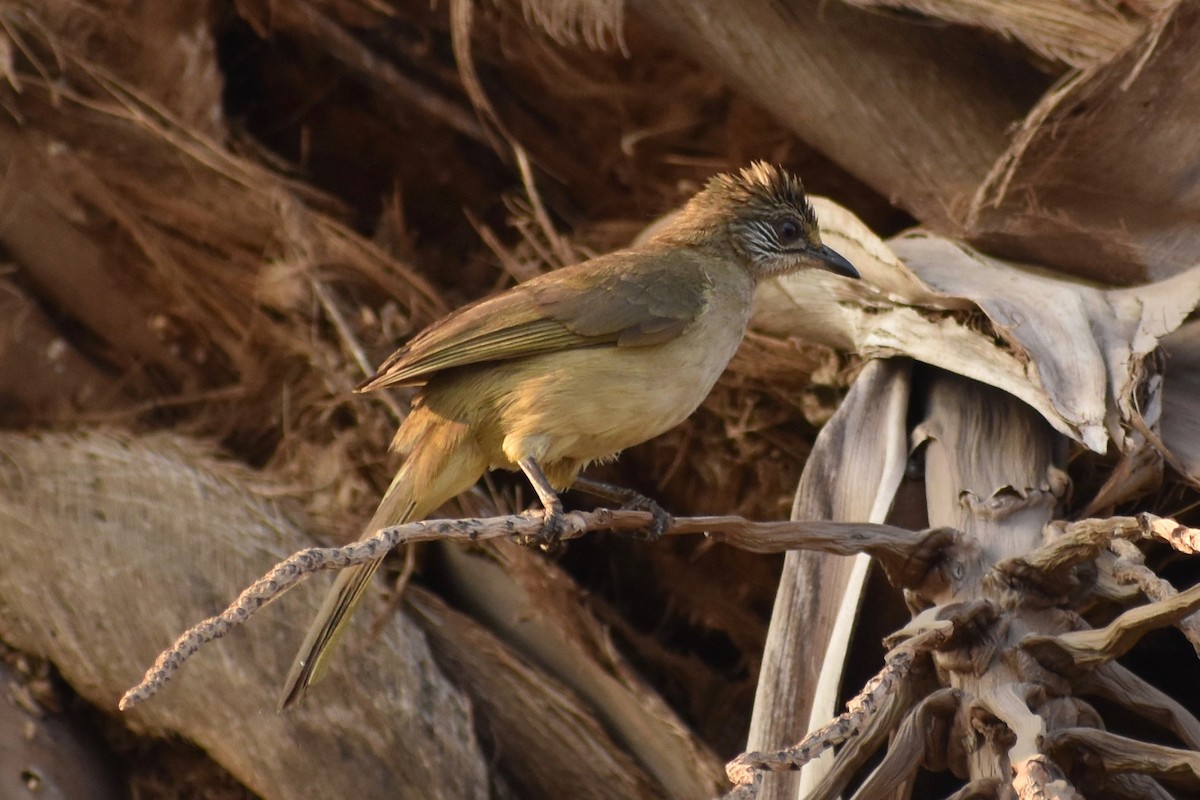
(626, 299)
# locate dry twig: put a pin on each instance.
(1130, 568)
(1119, 754)
(912, 745)
(744, 770)
(893, 545)
(1089, 648)
(1080, 541)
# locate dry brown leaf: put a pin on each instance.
(1075, 32)
(917, 113)
(1100, 179)
(1181, 397)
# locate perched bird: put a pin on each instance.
(578, 364)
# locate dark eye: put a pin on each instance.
(788, 231)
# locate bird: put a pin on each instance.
(578, 364)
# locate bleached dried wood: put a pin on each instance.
(1048, 568)
(1010, 704)
(1107, 587)
(1130, 568)
(1005, 500)
(1086, 391)
(1120, 754)
(858, 749)
(1180, 537)
(1037, 778)
(1089, 648)
(1001, 496)
(875, 697)
(910, 744)
(863, 445)
(926, 142)
(1090, 384)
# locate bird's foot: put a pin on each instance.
(549, 536)
(630, 501)
(660, 520)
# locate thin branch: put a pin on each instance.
(910, 744)
(1130, 568)
(905, 556)
(859, 711)
(1120, 754)
(352, 344)
(1088, 648)
(562, 250)
(883, 541)
(858, 749)
(1082, 541)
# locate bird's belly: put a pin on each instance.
(588, 404)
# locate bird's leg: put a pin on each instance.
(629, 499)
(553, 522)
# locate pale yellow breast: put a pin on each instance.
(588, 404)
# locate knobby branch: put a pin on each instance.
(897, 549)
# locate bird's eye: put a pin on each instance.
(788, 230)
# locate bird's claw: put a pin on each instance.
(660, 520)
(548, 537)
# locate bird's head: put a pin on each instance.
(764, 216)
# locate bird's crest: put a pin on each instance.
(761, 187)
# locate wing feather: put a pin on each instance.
(625, 299)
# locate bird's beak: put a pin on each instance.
(829, 259)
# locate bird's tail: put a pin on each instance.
(441, 464)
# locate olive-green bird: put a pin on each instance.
(578, 364)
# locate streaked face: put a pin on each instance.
(782, 237)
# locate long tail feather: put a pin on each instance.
(347, 592)
(441, 464)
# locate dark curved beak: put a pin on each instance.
(829, 259)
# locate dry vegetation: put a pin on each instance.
(215, 217)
